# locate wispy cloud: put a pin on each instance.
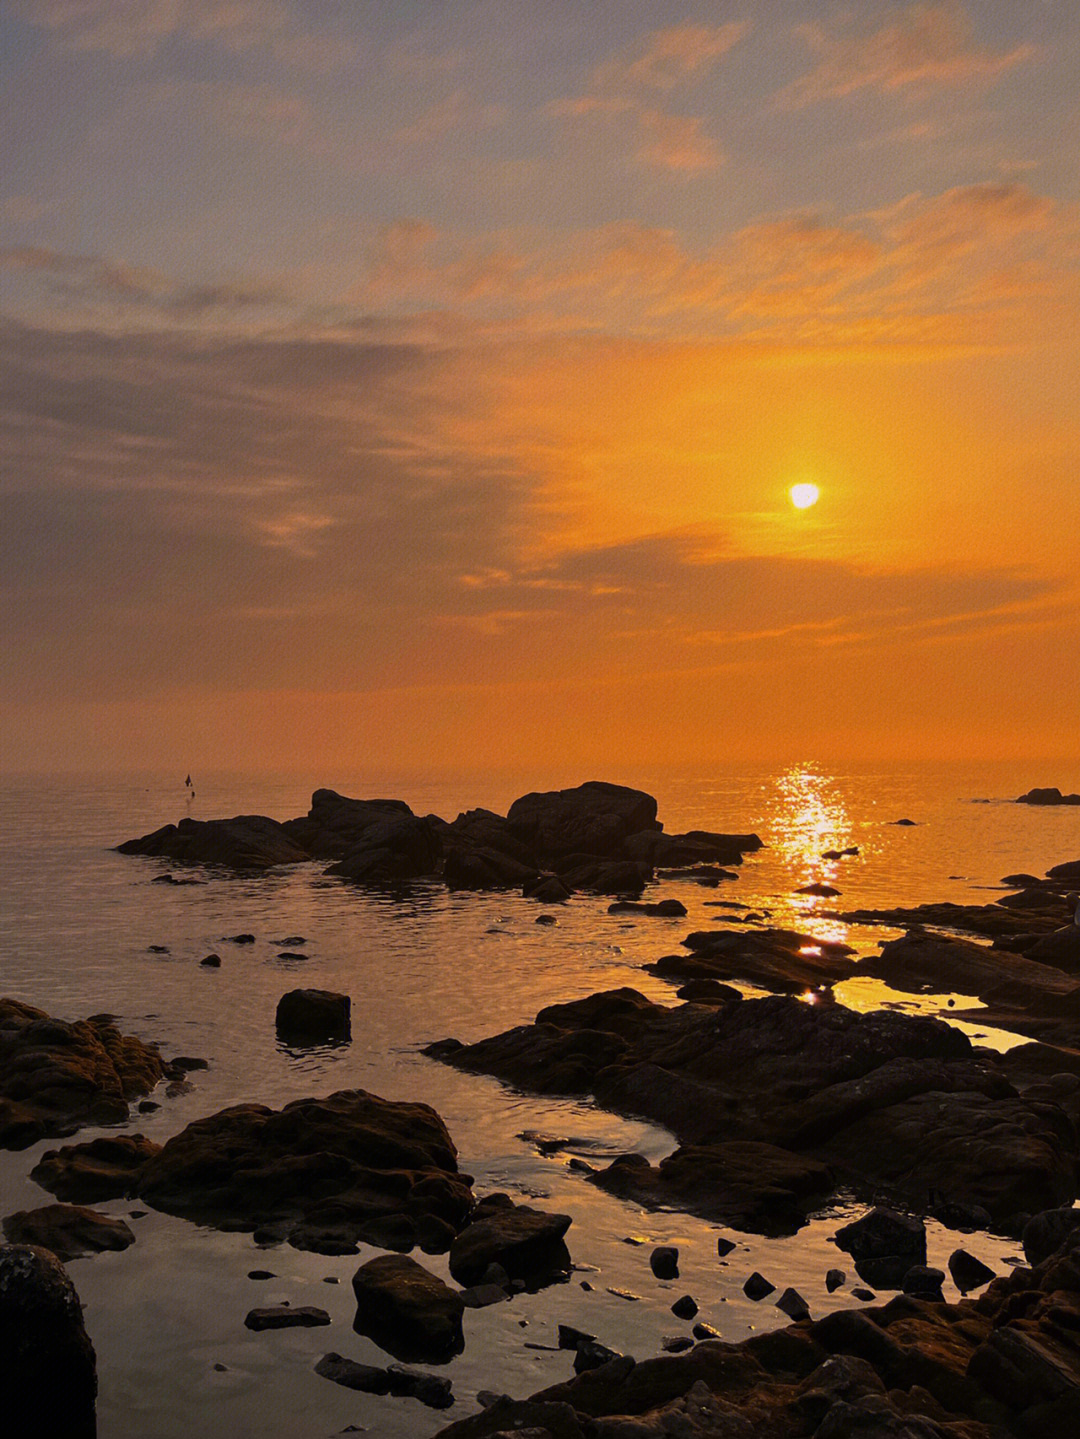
(927, 44)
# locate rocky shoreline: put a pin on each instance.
(780, 1103)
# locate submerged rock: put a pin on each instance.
(777, 959)
(430, 1389)
(56, 1077)
(48, 1373)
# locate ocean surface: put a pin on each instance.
(76, 921)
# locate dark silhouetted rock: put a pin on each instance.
(430, 1389)
(662, 908)
(724, 1247)
(592, 819)
(211, 961)
(968, 1272)
(884, 1234)
(1046, 1231)
(247, 842)
(398, 847)
(313, 1016)
(47, 1364)
(479, 868)
(67, 1230)
(325, 1173)
(924, 1281)
(685, 1307)
(821, 891)
(407, 1310)
(56, 1077)
(793, 1305)
(546, 889)
(664, 1261)
(335, 824)
(758, 1287)
(106, 1168)
(834, 1279)
(526, 1242)
(1050, 795)
(776, 959)
(283, 1316)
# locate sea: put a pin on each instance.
(167, 1315)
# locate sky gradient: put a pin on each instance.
(422, 384)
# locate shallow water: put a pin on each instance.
(75, 926)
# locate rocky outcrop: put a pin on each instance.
(335, 824)
(108, 1167)
(1050, 795)
(407, 1310)
(326, 1174)
(67, 1230)
(890, 1103)
(399, 847)
(47, 1363)
(778, 959)
(1006, 1363)
(246, 842)
(56, 1077)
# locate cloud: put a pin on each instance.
(137, 29)
(623, 92)
(928, 44)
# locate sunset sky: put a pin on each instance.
(422, 384)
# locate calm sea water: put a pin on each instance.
(75, 924)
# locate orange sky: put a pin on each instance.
(452, 421)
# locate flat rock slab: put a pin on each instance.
(284, 1316)
(327, 1174)
(56, 1077)
(395, 1379)
(68, 1230)
(781, 960)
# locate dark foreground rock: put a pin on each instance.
(326, 1174)
(313, 1016)
(887, 1103)
(407, 1310)
(1005, 1364)
(47, 1363)
(778, 959)
(56, 1077)
(1049, 795)
(68, 1230)
(246, 842)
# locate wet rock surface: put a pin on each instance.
(395, 1379)
(527, 1243)
(885, 1102)
(325, 1174)
(67, 1230)
(777, 959)
(48, 1375)
(313, 1016)
(56, 1077)
(407, 1310)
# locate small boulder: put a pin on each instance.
(685, 1307)
(758, 1287)
(793, 1305)
(527, 1242)
(313, 1016)
(664, 1261)
(68, 1230)
(968, 1272)
(834, 1279)
(407, 1310)
(884, 1234)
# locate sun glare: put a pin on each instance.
(803, 496)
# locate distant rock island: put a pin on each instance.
(597, 836)
(1048, 796)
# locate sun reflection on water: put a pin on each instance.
(806, 817)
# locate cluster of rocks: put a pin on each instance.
(777, 1103)
(1049, 795)
(56, 1077)
(597, 836)
(1006, 1363)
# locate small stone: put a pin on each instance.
(676, 1343)
(147, 1106)
(685, 1308)
(793, 1305)
(331, 1279)
(281, 1316)
(546, 919)
(240, 938)
(664, 1262)
(705, 1331)
(864, 1294)
(967, 1272)
(834, 1279)
(590, 1355)
(724, 1246)
(157, 949)
(261, 1274)
(212, 961)
(757, 1287)
(586, 1286)
(570, 1338)
(221, 1368)
(625, 1294)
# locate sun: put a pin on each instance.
(803, 496)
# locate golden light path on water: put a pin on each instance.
(806, 818)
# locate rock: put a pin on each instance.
(1047, 1231)
(1069, 871)
(967, 1272)
(884, 1234)
(866, 1295)
(261, 1274)
(623, 877)
(47, 1364)
(570, 1338)
(664, 1262)
(246, 842)
(821, 891)
(1050, 795)
(708, 991)
(466, 867)
(663, 908)
(479, 1296)
(431, 1390)
(407, 1310)
(924, 1281)
(67, 1230)
(592, 1355)
(56, 1077)
(593, 819)
(105, 1168)
(283, 1316)
(1060, 948)
(313, 1016)
(546, 889)
(676, 1343)
(685, 1307)
(157, 949)
(777, 959)
(705, 1331)
(397, 847)
(724, 1246)
(793, 1305)
(240, 938)
(909, 823)
(336, 824)
(291, 954)
(758, 1287)
(835, 1279)
(211, 961)
(325, 1173)
(526, 1242)
(942, 962)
